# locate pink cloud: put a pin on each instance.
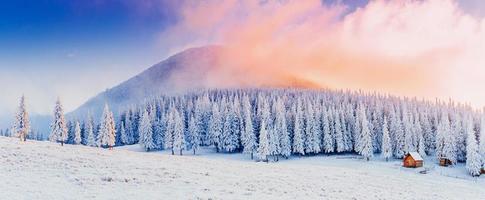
(427, 48)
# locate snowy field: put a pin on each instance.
(44, 170)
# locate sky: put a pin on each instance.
(77, 49)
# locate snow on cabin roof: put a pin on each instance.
(415, 155)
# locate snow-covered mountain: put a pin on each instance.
(191, 69)
(185, 70)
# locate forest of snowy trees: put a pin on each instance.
(277, 123)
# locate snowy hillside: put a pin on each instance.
(44, 170)
(181, 71)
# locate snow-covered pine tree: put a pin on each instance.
(481, 148)
(328, 140)
(248, 140)
(312, 131)
(386, 149)
(107, 129)
(77, 133)
(459, 136)
(445, 140)
(408, 130)
(59, 129)
(396, 131)
(298, 134)
(169, 134)
(337, 143)
(179, 142)
(160, 128)
(421, 144)
(263, 148)
(194, 131)
(473, 162)
(366, 148)
(215, 127)
(89, 129)
(427, 133)
(281, 129)
(123, 134)
(21, 127)
(129, 127)
(145, 131)
(376, 129)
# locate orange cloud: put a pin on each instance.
(427, 48)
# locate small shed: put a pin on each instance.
(445, 162)
(482, 171)
(412, 160)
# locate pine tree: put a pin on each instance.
(298, 139)
(90, 138)
(107, 129)
(281, 130)
(129, 125)
(473, 162)
(328, 140)
(124, 135)
(21, 127)
(179, 141)
(408, 133)
(169, 135)
(263, 149)
(249, 142)
(365, 142)
(386, 149)
(396, 131)
(215, 127)
(194, 131)
(445, 140)
(59, 129)
(145, 131)
(77, 133)
(481, 148)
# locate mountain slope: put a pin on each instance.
(202, 67)
(182, 71)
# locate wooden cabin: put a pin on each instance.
(445, 162)
(482, 171)
(412, 160)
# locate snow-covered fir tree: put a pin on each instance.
(21, 127)
(77, 133)
(281, 130)
(298, 138)
(195, 137)
(473, 161)
(328, 140)
(59, 128)
(123, 134)
(481, 148)
(89, 129)
(146, 132)
(215, 128)
(386, 149)
(107, 129)
(248, 136)
(179, 142)
(263, 148)
(365, 138)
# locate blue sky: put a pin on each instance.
(78, 48)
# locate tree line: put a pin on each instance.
(277, 123)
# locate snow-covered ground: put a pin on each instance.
(44, 170)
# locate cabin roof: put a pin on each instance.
(416, 156)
